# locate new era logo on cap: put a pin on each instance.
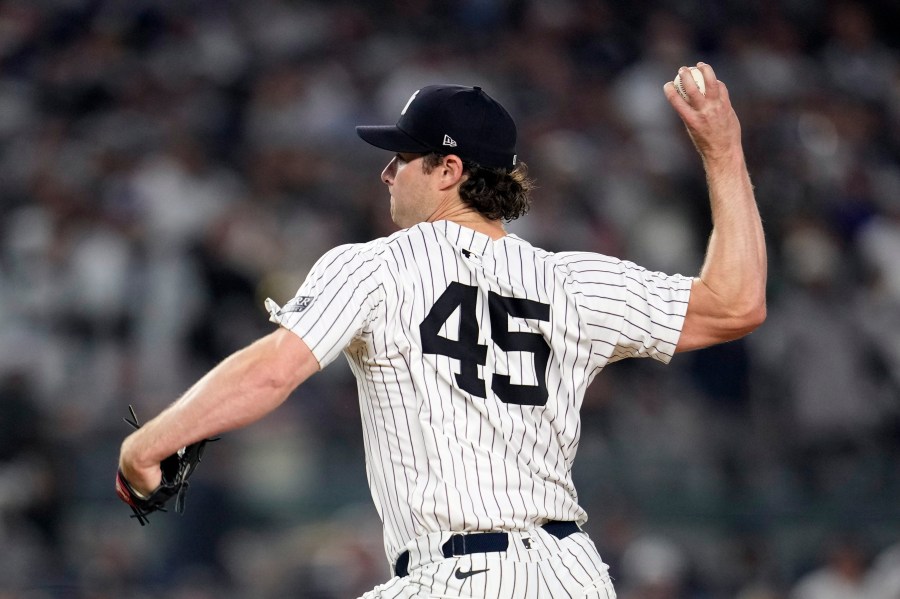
(439, 117)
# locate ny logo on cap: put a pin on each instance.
(408, 102)
(449, 141)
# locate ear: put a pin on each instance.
(450, 171)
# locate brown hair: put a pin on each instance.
(494, 192)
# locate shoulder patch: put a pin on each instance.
(297, 304)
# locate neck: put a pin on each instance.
(471, 219)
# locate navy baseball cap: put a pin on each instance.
(450, 119)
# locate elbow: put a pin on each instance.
(282, 363)
(757, 313)
(712, 319)
(275, 378)
(757, 317)
(739, 319)
(761, 313)
(751, 318)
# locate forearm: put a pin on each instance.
(242, 389)
(735, 266)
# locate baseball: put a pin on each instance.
(698, 77)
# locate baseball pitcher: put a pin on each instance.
(473, 348)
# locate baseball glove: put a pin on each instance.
(176, 469)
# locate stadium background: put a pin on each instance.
(165, 166)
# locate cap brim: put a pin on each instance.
(389, 137)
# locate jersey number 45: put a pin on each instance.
(471, 354)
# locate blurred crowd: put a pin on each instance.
(167, 165)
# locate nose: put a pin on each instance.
(387, 175)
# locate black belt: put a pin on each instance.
(483, 542)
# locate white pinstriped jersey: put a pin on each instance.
(472, 358)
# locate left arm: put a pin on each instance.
(240, 390)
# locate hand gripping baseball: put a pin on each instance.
(706, 110)
(176, 469)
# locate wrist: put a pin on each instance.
(728, 158)
(125, 489)
(131, 456)
(142, 476)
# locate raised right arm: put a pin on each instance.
(728, 298)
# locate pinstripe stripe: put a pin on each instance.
(559, 586)
(439, 459)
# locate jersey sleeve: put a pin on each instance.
(629, 311)
(655, 308)
(335, 304)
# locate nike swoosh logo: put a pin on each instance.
(463, 575)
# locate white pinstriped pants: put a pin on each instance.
(536, 565)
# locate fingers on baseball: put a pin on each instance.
(709, 76)
(714, 87)
(684, 107)
(694, 92)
